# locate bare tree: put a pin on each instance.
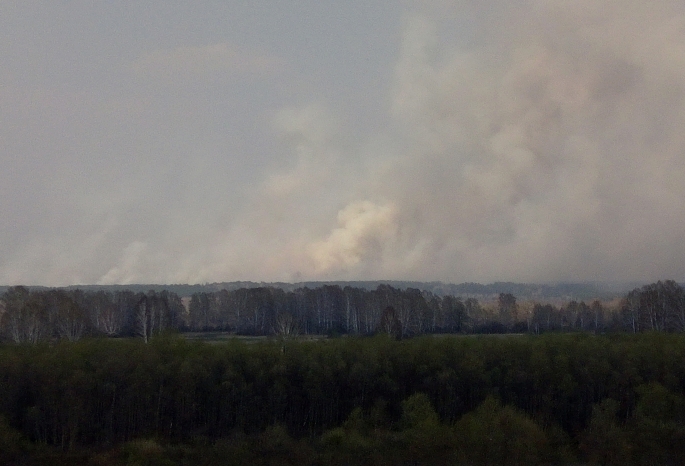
(105, 315)
(597, 315)
(25, 318)
(143, 318)
(285, 325)
(69, 319)
(389, 323)
(110, 321)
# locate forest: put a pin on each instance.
(395, 377)
(510, 399)
(48, 314)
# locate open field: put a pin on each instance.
(224, 337)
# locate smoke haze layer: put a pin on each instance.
(532, 142)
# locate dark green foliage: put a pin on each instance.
(427, 400)
(658, 426)
(12, 443)
(606, 440)
(496, 434)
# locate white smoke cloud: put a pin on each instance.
(527, 141)
(311, 132)
(128, 269)
(550, 150)
(364, 228)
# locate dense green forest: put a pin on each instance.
(556, 398)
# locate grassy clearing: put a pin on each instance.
(224, 337)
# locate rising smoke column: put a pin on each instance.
(528, 141)
(550, 148)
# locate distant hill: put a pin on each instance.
(522, 291)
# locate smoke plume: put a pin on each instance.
(529, 141)
(550, 148)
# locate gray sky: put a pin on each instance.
(185, 142)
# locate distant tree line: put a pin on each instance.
(47, 314)
(34, 316)
(483, 292)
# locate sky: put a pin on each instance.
(270, 140)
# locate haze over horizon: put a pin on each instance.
(427, 140)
